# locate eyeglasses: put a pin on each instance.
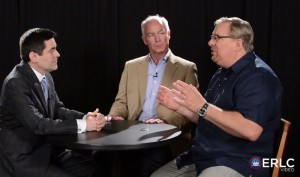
(216, 37)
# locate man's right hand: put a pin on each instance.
(168, 98)
(95, 121)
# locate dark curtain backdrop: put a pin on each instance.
(96, 38)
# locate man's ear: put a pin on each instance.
(33, 57)
(240, 42)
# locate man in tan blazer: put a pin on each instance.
(136, 98)
(133, 85)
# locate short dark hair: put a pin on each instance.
(33, 40)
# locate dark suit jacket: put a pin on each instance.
(25, 120)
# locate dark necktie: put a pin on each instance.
(45, 88)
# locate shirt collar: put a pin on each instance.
(241, 63)
(166, 57)
(38, 75)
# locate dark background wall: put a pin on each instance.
(96, 38)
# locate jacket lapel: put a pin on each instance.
(169, 73)
(143, 78)
(40, 93)
(28, 72)
(170, 69)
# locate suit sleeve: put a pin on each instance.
(119, 107)
(23, 104)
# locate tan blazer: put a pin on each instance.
(132, 89)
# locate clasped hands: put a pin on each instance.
(95, 121)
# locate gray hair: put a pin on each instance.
(162, 20)
(239, 29)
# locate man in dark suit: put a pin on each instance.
(30, 110)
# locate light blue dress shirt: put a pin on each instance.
(155, 75)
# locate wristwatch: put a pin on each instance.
(202, 110)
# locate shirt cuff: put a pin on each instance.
(81, 125)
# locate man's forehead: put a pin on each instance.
(222, 27)
(50, 42)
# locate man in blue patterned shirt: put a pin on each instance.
(238, 116)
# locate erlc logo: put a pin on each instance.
(273, 162)
(255, 162)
